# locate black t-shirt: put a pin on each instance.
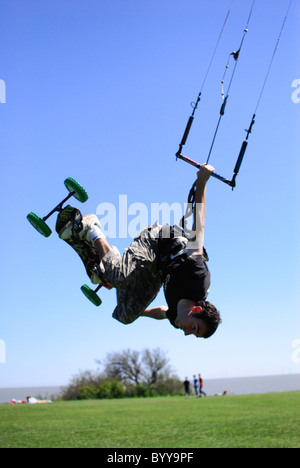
(186, 277)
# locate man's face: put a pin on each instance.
(191, 325)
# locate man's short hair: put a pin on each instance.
(210, 316)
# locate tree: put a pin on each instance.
(123, 366)
(137, 367)
(154, 362)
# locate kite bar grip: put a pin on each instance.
(241, 156)
(187, 130)
(189, 161)
(198, 166)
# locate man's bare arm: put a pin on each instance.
(157, 313)
(199, 213)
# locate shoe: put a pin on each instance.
(76, 231)
(71, 225)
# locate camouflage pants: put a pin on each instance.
(134, 275)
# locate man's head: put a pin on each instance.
(200, 319)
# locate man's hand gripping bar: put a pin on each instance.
(231, 183)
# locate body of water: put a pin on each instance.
(235, 386)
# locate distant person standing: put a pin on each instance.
(201, 384)
(186, 385)
(196, 386)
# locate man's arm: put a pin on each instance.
(157, 313)
(199, 213)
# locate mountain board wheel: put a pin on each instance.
(91, 295)
(39, 224)
(73, 186)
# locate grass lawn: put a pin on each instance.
(270, 420)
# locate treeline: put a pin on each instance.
(126, 374)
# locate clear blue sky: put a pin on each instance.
(100, 91)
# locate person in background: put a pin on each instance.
(201, 392)
(34, 401)
(186, 385)
(196, 386)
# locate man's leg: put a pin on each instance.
(103, 247)
(141, 286)
(141, 255)
(136, 296)
(134, 274)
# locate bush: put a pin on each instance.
(117, 389)
(87, 392)
(126, 374)
(169, 386)
(108, 389)
(143, 390)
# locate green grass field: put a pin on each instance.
(270, 420)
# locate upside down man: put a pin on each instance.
(158, 257)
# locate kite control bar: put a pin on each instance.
(214, 174)
(231, 182)
(240, 158)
